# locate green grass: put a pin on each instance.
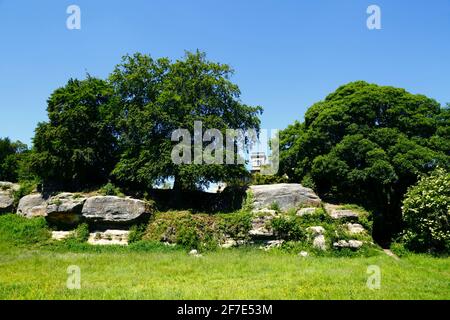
(231, 274)
(38, 270)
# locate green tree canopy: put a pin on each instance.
(160, 96)
(121, 128)
(367, 144)
(76, 148)
(11, 155)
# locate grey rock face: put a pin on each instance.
(286, 195)
(9, 186)
(111, 209)
(6, 202)
(6, 196)
(65, 208)
(33, 205)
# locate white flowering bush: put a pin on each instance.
(426, 214)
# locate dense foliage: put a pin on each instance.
(426, 214)
(197, 231)
(120, 129)
(160, 96)
(367, 144)
(76, 148)
(12, 160)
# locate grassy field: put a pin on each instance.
(33, 267)
(228, 274)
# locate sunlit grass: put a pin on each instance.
(226, 274)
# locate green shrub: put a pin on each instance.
(26, 188)
(399, 249)
(110, 189)
(247, 204)
(365, 218)
(258, 179)
(426, 214)
(187, 236)
(236, 225)
(308, 182)
(81, 233)
(192, 231)
(16, 230)
(136, 233)
(319, 217)
(288, 228)
(275, 206)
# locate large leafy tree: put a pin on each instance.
(159, 96)
(76, 148)
(367, 144)
(12, 155)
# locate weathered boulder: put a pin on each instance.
(6, 202)
(65, 208)
(319, 242)
(109, 210)
(355, 228)
(353, 244)
(285, 195)
(306, 211)
(33, 205)
(336, 212)
(7, 196)
(317, 233)
(109, 237)
(316, 230)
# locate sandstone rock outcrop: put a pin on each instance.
(285, 195)
(65, 208)
(6, 196)
(33, 205)
(114, 210)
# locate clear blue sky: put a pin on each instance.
(287, 54)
